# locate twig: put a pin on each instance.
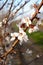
(3, 5)
(38, 8)
(5, 54)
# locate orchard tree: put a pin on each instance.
(10, 38)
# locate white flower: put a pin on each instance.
(37, 56)
(22, 36)
(13, 35)
(4, 20)
(35, 28)
(30, 30)
(25, 21)
(12, 39)
(0, 24)
(29, 51)
(21, 30)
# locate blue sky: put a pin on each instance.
(26, 8)
(17, 1)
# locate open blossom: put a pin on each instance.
(13, 35)
(30, 30)
(4, 20)
(21, 36)
(26, 21)
(0, 24)
(33, 29)
(29, 51)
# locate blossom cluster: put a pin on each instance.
(28, 23)
(21, 35)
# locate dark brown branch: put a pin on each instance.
(19, 9)
(11, 7)
(5, 54)
(38, 8)
(22, 5)
(24, 13)
(9, 12)
(8, 16)
(3, 5)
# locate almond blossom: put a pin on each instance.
(30, 30)
(21, 36)
(13, 35)
(33, 29)
(26, 21)
(4, 20)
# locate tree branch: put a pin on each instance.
(38, 10)
(9, 12)
(16, 41)
(18, 9)
(3, 5)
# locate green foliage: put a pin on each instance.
(37, 37)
